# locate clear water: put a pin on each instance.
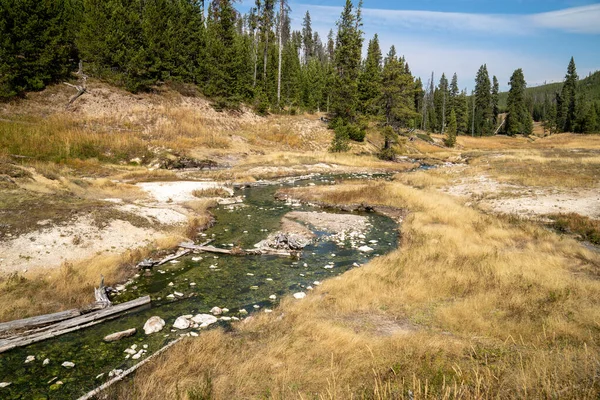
(236, 283)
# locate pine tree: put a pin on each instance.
(397, 93)
(518, 118)
(347, 60)
(36, 44)
(462, 113)
(369, 83)
(451, 132)
(440, 98)
(483, 103)
(307, 38)
(568, 98)
(495, 101)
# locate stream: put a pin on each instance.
(203, 281)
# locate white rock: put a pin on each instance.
(194, 334)
(356, 265)
(137, 355)
(196, 258)
(5, 384)
(129, 351)
(273, 297)
(365, 249)
(373, 241)
(316, 283)
(328, 267)
(46, 362)
(99, 375)
(115, 372)
(181, 323)
(213, 267)
(225, 318)
(225, 310)
(68, 364)
(178, 294)
(243, 311)
(299, 295)
(171, 283)
(145, 346)
(29, 359)
(193, 284)
(171, 296)
(153, 325)
(120, 335)
(268, 310)
(204, 319)
(216, 311)
(309, 288)
(361, 236)
(256, 306)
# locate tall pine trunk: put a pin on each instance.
(280, 51)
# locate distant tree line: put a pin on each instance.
(258, 59)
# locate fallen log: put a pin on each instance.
(107, 384)
(71, 325)
(174, 257)
(237, 251)
(40, 320)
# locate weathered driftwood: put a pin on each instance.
(101, 295)
(70, 325)
(174, 257)
(116, 379)
(237, 251)
(40, 320)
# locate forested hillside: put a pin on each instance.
(258, 58)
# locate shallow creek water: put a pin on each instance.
(206, 281)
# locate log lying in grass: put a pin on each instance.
(40, 320)
(116, 379)
(237, 251)
(71, 325)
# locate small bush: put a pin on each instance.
(356, 133)
(339, 143)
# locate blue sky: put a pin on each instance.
(539, 36)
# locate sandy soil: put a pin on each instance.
(331, 223)
(523, 201)
(51, 245)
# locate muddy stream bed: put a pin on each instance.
(194, 285)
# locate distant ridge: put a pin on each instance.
(589, 86)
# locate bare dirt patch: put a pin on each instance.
(331, 223)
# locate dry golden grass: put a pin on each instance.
(211, 192)
(471, 306)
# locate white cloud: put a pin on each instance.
(584, 19)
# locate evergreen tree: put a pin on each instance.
(307, 38)
(347, 60)
(36, 44)
(441, 103)
(483, 103)
(451, 132)
(462, 113)
(568, 98)
(518, 118)
(495, 101)
(397, 93)
(369, 83)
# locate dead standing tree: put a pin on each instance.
(81, 89)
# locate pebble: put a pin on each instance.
(194, 334)
(171, 284)
(268, 310)
(249, 274)
(216, 311)
(46, 362)
(225, 318)
(256, 306)
(171, 296)
(299, 295)
(115, 372)
(178, 294)
(204, 320)
(273, 297)
(99, 375)
(269, 279)
(316, 283)
(196, 258)
(5, 384)
(29, 359)
(68, 364)
(243, 311)
(192, 283)
(213, 267)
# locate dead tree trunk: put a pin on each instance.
(81, 89)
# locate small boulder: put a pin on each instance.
(182, 323)
(299, 295)
(204, 319)
(29, 359)
(216, 311)
(365, 249)
(5, 384)
(68, 364)
(113, 337)
(153, 325)
(46, 362)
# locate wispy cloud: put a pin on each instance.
(585, 19)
